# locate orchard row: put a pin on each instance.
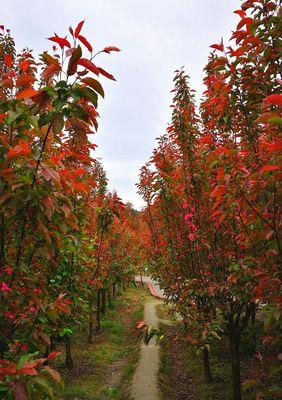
(213, 194)
(66, 242)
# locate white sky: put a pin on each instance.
(156, 37)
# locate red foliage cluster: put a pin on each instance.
(65, 241)
(212, 191)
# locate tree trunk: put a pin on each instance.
(91, 319)
(206, 363)
(236, 374)
(109, 297)
(103, 302)
(114, 291)
(98, 311)
(69, 359)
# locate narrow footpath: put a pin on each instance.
(145, 379)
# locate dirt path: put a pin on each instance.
(145, 379)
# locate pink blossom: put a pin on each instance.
(5, 287)
(10, 315)
(188, 216)
(24, 347)
(192, 236)
(33, 309)
(8, 270)
(37, 291)
(184, 206)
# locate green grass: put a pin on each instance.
(109, 363)
(163, 311)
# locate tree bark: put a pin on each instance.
(98, 311)
(236, 373)
(69, 359)
(103, 302)
(91, 319)
(206, 363)
(109, 297)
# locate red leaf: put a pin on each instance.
(62, 42)
(20, 149)
(240, 12)
(53, 373)
(219, 47)
(111, 48)
(85, 42)
(207, 139)
(81, 187)
(7, 83)
(7, 368)
(25, 80)
(274, 99)
(2, 116)
(218, 191)
(8, 60)
(29, 92)
(53, 354)
(78, 28)
(89, 65)
(28, 370)
(80, 171)
(71, 31)
(267, 168)
(24, 65)
(20, 391)
(106, 74)
(51, 70)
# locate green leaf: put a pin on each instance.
(254, 26)
(12, 116)
(90, 94)
(80, 113)
(43, 385)
(79, 92)
(23, 360)
(94, 84)
(45, 119)
(65, 331)
(275, 120)
(58, 122)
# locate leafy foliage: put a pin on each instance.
(212, 191)
(64, 239)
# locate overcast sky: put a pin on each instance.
(156, 37)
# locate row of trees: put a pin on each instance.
(212, 193)
(65, 241)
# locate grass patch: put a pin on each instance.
(163, 311)
(103, 370)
